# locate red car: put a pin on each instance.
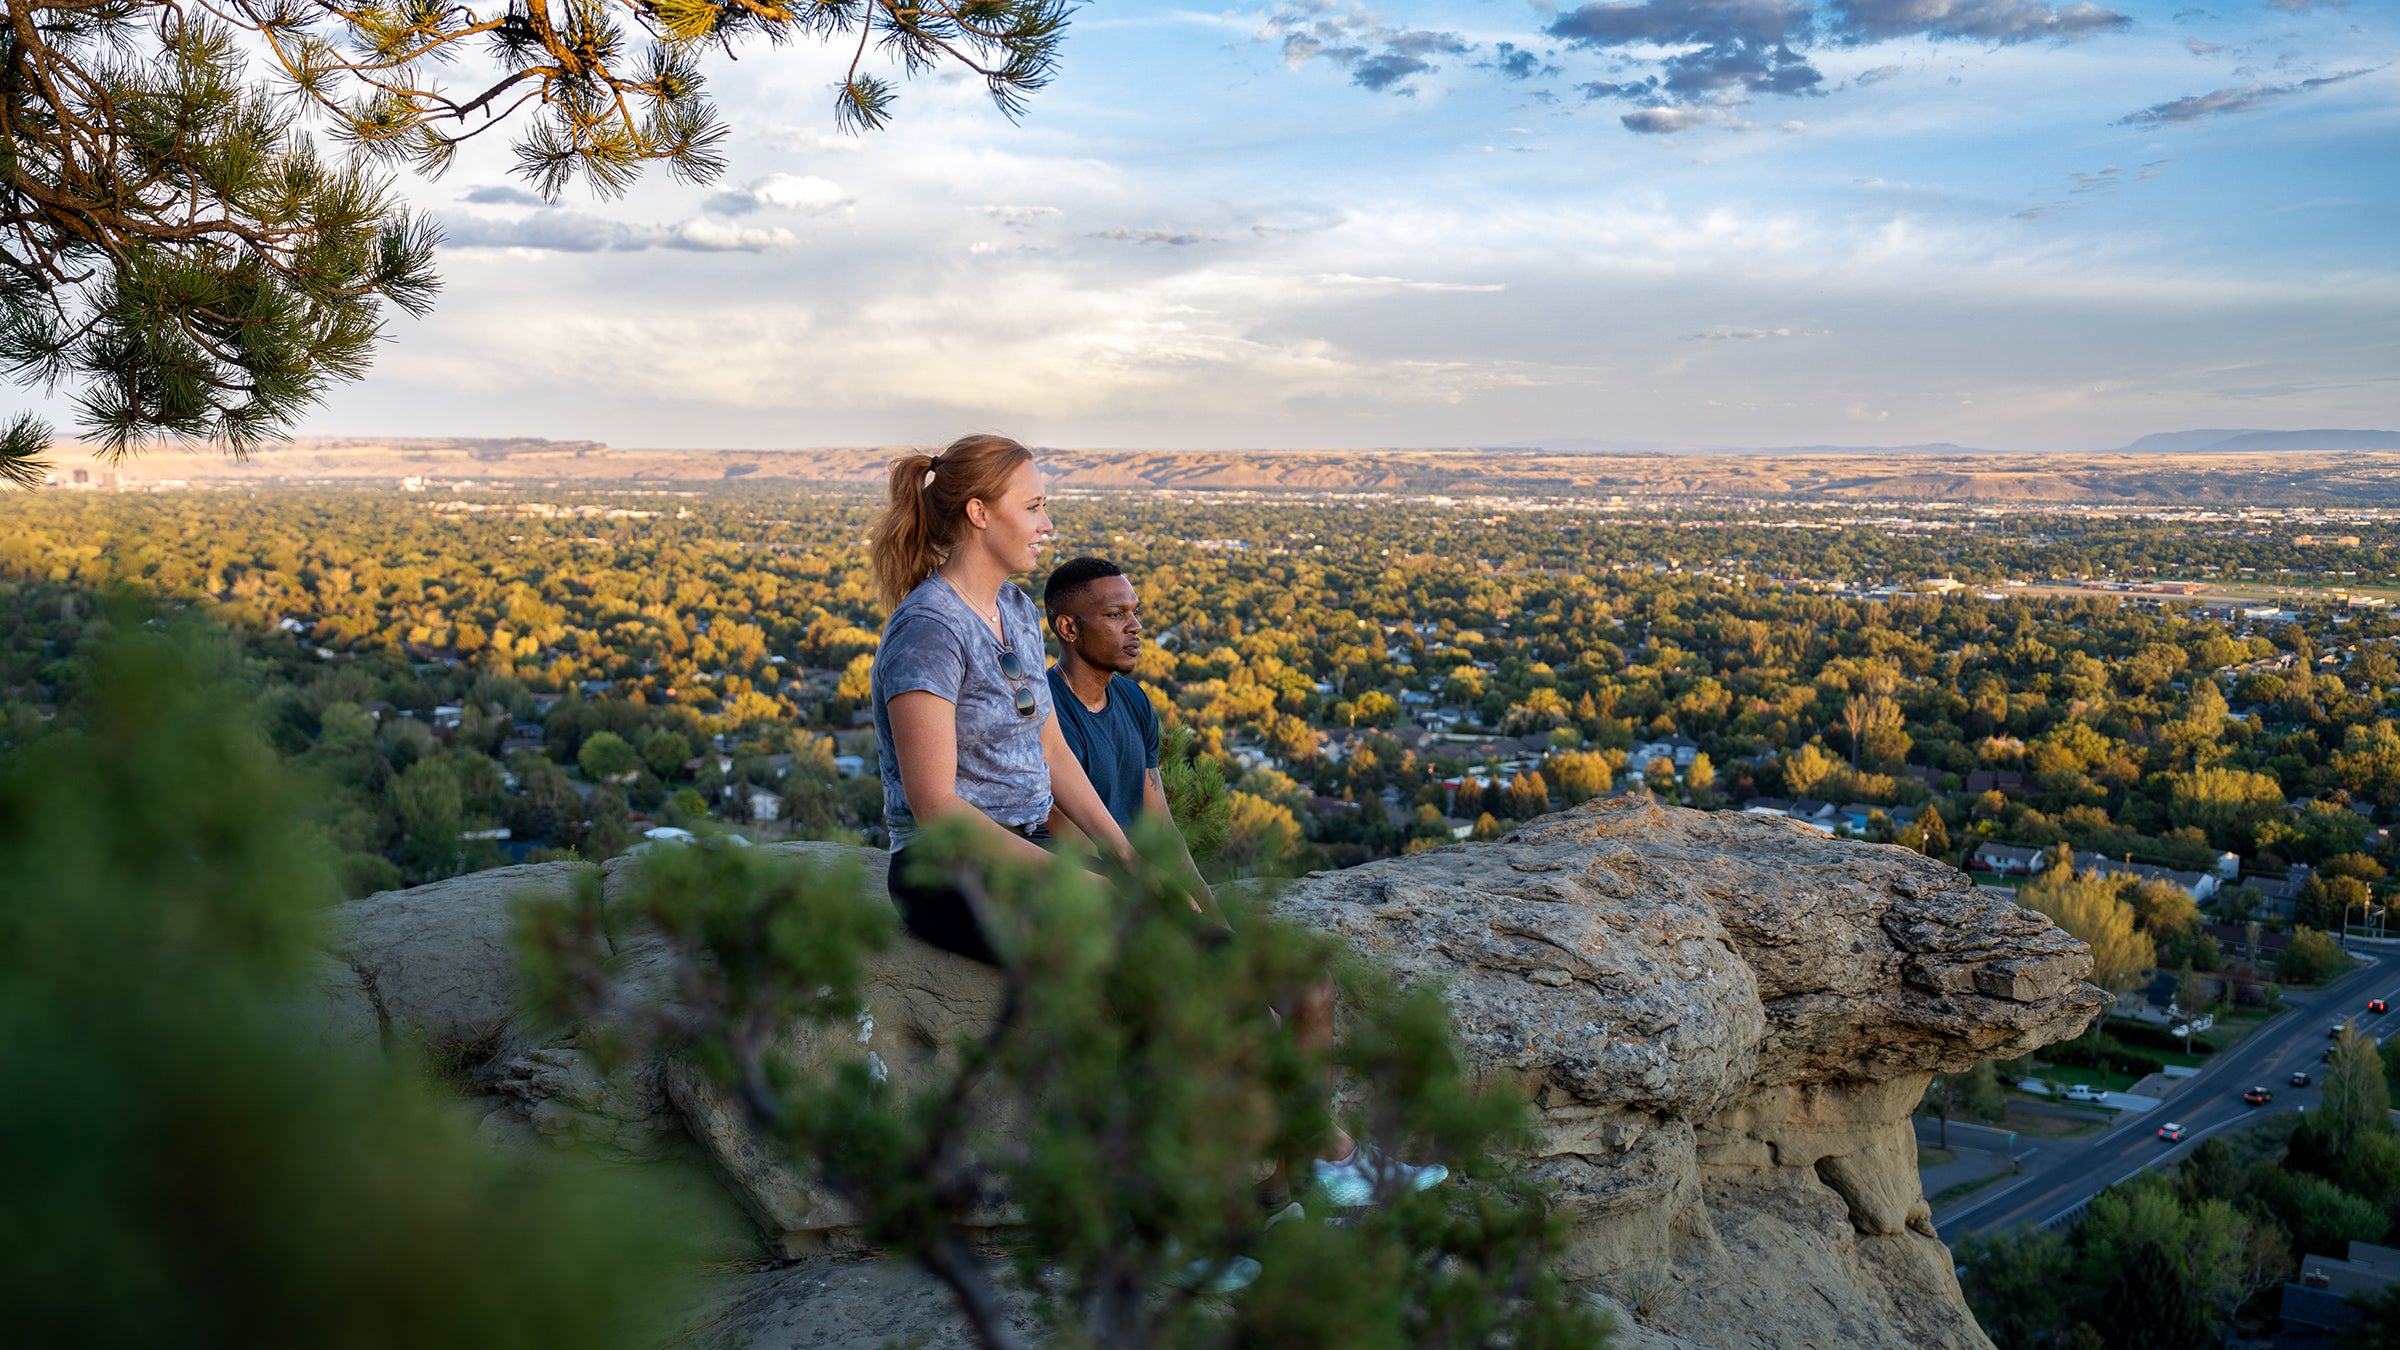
(2374, 1005)
(2258, 1096)
(2171, 1132)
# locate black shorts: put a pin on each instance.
(941, 915)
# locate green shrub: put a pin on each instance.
(2137, 1034)
(2103, 1052)
(182, 1163)
(1146, 1084)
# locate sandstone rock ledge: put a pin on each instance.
(1723, 1021)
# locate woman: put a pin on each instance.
(963, 720)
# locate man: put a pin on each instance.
(1109, 724)
(1106, 718)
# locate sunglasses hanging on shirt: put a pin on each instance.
(1014, 669)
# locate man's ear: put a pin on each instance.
(1065, 626)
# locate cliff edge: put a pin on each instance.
(1723, 1021)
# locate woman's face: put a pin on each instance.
(1018, 524)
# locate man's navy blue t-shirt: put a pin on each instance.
(1116, 745)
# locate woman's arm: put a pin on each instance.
(925, 738)
(1063, 831)
(1071, 792)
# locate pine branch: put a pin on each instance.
(24, 452)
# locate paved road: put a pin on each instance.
(2066, 1174)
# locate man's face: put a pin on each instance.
(1102, 624)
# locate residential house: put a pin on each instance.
(765, 805)
(1677, 750)
(1818, 816)
(2280, 895)
(2320, 1298)
(2199, 885)
(1995, 780)
(1248, 757)
(2154, 1005)
(2234, 939)
(2008, 860)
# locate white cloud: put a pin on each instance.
(1022, 217)
(708, 235)
(1346, 279)
(562, 231)
(1724, 334)
(1668, 121)
(810, 140)
(1174, 237)
(802, 194)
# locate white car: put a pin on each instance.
(2084, 1092)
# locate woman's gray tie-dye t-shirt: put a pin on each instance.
(938, 645)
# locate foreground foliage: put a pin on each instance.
(181, 1165)
(1124, 1104)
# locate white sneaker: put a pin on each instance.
(1217, 1277)
(1354, 1180)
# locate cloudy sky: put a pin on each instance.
(2005, 223)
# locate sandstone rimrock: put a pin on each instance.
(435, 965)
(1724, 1022)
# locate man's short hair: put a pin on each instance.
(1071, 577)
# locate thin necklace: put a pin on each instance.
(999, 629)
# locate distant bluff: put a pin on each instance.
(2334, 468)
(1723, 1021)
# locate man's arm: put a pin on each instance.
(1154, 803)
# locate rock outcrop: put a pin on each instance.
(1723, 1022)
